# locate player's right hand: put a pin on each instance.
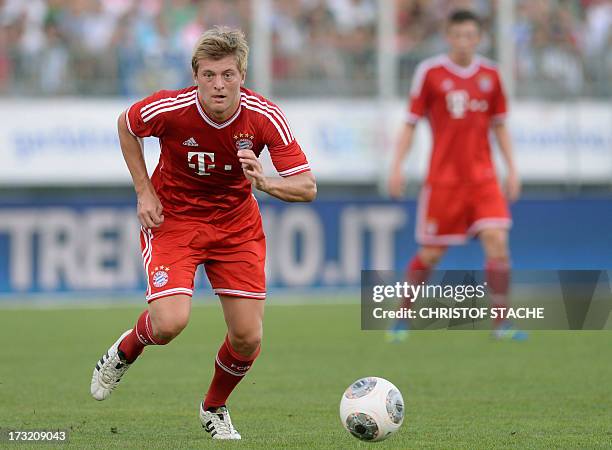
(396, 183)
(150, 209)
(513, 186)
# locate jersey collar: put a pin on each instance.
(460, 71)
(210, 121)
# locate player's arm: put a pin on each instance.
(149, 206)
(301, 187)
(499, 110)
(402, 149)
(417, 108)
(513, 182)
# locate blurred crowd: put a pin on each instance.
(104, 47)
(564, 46)
(131, 47)
(324, 45)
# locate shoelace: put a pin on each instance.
(222, 423)
(110, 373)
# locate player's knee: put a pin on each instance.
(433, 259)
(167, 329)
(165, 333)
(498, 254)
(431, 256)
(495, 245)
(246, 343)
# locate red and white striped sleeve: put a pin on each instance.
(419, 93)
(499, 104)
(285, 152)
(146, 117)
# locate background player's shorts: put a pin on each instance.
(449, 215)
(234, 259)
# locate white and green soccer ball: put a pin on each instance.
(372, 409)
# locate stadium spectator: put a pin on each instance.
(548, 52)
(288, 39)
(53, 61)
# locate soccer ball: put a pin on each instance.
(372, 409)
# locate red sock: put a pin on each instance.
(142, 335)
(416, 272)
(498, 280)
(230, 368)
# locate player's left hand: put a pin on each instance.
(252, 169)
(513, 186)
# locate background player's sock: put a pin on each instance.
(230, 368)
(142, 335)
(498, 280)
(417, 272)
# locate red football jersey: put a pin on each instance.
(460, 103)
(198, 173)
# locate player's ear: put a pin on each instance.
(242, 78)
(195, 77)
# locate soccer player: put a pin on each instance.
(461, 95)
(198, 208)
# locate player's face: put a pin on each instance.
(219, 84)
(463, 39)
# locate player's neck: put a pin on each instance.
(461, 60)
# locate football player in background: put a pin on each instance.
(198, 208)
(461, 95)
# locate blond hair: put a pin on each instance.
(219, 42)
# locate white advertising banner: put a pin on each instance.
(64, 142)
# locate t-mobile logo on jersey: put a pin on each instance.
(201, 162)
(458, 103)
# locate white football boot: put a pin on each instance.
(108, 371)
(218, 423)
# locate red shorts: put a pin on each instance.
(449, 215)
(233, 257)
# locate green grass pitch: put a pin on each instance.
(461, 389)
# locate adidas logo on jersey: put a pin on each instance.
(191, 142)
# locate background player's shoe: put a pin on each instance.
(506, 332)
(398, 332)
(108, 371)
(218, 423)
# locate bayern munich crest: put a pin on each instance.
(244, 141)
(485, 83)
(447, 84)
(160, 276)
